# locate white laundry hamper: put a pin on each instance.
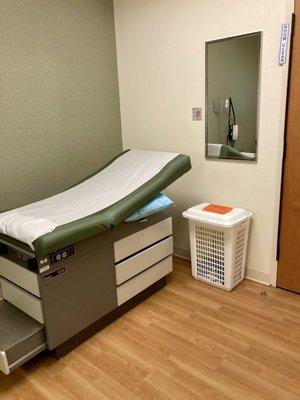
(218, 241)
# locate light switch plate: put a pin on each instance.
(197, 114)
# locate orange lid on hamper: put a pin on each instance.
(216, 208)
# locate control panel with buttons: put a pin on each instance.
(63, 254)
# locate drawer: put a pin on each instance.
(140, 282)
(21, 337)
(20, 276)
(23, 300)
(144, 238)
(141, 261)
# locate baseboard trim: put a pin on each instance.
(182, 253)
(257, 276)
(250, 274)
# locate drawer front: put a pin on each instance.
(3, 362)
(20, 276)
(23, 300)
(7, 368)
(21, 337)
(141, 261)
(139, 240)
(140, 282)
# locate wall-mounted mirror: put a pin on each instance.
(232, 80)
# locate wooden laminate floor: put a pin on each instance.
(188, 341)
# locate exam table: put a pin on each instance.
(70, 265)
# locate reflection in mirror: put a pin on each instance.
(232, 76)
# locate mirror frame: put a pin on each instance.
(207, 43)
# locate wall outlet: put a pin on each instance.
(197, 114)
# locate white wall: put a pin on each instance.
(161, 63)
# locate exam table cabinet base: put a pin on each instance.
(97, 326)
(107, 276)
(30, 338)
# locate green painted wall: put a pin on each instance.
(59, 100)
